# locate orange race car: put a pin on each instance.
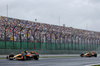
(89, 54)
(24, 56)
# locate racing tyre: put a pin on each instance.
(36, 57)
(95, 55)
(82, 55)
(10, 57)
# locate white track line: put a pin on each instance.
(92, 64)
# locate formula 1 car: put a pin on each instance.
(23, 56)
(89, 54)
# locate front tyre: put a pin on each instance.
(36, 57)
(95, 55)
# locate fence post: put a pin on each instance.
(98, 42)
(40, 38)
(27, 38)
(20, 37)
(34, 38)
(92, 42)
(5, 35)
(75, 42)
(68, 41)
(87, 43)
(60, 40)
(95, 43)
(50, 40)
(82, 42)
(55, 43)
(46, 40)
(78, 43)
(13, 37)
(64, 41)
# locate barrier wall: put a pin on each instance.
(16, 51)
(47, 48)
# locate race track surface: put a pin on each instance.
(66, 61)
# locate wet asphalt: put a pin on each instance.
(65, 61)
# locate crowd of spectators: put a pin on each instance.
(35, 30)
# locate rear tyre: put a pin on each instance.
(10, 56)
(82, 55)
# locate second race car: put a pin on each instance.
(89, 54)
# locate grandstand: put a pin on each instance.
(23, 34)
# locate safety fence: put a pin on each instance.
(48, 40)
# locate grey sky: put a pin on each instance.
(81, 14)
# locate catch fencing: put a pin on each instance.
(57, 42)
